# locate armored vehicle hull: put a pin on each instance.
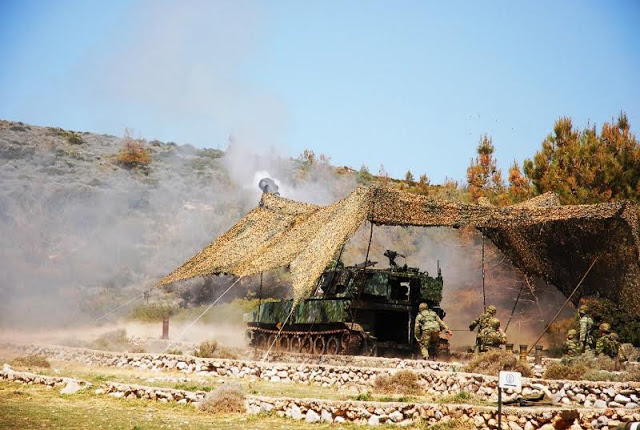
(354, 310)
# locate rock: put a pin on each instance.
(615, 405)
(621, 399)
(71, 388)
(253, 410)
(339, 420)
(514, 426)
(266, 407)
(478, 421)
(325, 416)
(405, 423)
(312, 416)
(296, 413)
(374, 420)
(600, 404)
(99, 391)
(631, 405)
(396, 416)
(528, 426)
(547, 427)
(117, 394)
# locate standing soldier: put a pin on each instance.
(571, 347)
(492, 336)
(482, 322)
(586, 326)
(608, 342)
(427, 329)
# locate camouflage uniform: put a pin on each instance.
(586, 326)
(482, 322)
(427, 328)
(492, 336)
(607, 343)
(571, 346)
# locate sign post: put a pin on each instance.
(511, 380)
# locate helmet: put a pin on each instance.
(605, 326)
(494, 323)
(423, 307)
(571, 334)
(491, 309)
(582, 310)
(614, 335)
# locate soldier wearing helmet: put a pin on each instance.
(482, 322)
(607, 343)
(571, 347)
(586, 328)
(492, 336)
(427, 329)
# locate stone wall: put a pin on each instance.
(436, 382)
(372, 413)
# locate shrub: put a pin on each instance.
(493, 361)
(74, 138)
(402, 382)
(211, 349)
(133, 153)
(175, 352)
(363, 397)
(573, 372)
(114, 340)
(227, 398)
(31, 361)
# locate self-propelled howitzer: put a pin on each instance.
(354, 310)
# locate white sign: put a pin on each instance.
(510, 380)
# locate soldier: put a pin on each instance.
(571, 347)
(427, 329)
(482, 322)
(608, 342)
(586, 327)
(492, 336)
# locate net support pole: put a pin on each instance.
(484, 294)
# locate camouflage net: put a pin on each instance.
(539, 236)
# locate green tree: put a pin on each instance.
(409, 177)
(582, 166)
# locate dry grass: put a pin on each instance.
(227, 398)
(563, 371)
(31, 361)
(402, 382)
(36, 407)
(492, 362)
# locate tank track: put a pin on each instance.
(330, 342)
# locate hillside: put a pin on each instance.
(78, 229)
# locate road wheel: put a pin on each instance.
(306, 345)
(296, 344)
(271, 342)
(284, 344)
(261, 341)
(333, 345)
(319, 345)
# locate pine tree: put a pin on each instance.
(409, 177)
(519, 185)
(484, 178)
(584, 167)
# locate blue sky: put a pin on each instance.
(408, 84)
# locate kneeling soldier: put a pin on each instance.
(571, 347)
